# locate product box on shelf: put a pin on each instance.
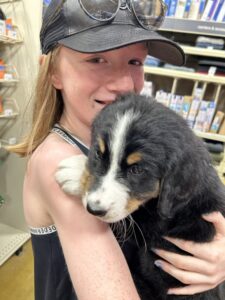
(8, 24)
(147, 88)
(1, 105)
(163, 97)
(2, 69)
(217, 122)
(201, 116)
(205, 10)
(222, 128)
(186, 106)
(2, 28)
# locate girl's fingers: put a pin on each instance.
(202, 271)
(198, 250)
(188, 263)
(210, 251)
(186, 277)
(190, 289)
(218, 221)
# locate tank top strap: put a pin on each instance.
(69, 138)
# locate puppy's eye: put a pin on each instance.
(98, 154)
(135, 170)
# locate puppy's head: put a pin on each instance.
(135, 155)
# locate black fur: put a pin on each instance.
(190, 187)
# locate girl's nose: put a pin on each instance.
(121, 83)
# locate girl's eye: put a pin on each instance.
(136, 62)
(135, 170)
(97, 60)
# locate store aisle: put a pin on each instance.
(16, 276)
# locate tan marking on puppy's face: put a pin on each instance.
(152, 194)
(134, 158)
(101, 144)
(134, 203)
(86, 181)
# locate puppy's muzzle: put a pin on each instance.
(96, 210)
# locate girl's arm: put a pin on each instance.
(95, 261)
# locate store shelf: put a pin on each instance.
(203, 51)
(6, 39)
(8, 1)
(8, 80)
(184, 75)
(11, 109)
(194, 27)
(11, 239)
(11, 116)
(210, 136)
(11, 74)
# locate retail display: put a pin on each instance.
(11, 239)
(9, 35)
(207, 10)
(197, 90)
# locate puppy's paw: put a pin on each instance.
(69, 173)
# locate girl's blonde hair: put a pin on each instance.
(47, 110)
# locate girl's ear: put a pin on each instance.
(56, 80)
(42, 59)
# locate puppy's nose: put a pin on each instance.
(96, 210)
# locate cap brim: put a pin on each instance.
(105, 38)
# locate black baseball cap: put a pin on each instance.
(66, 23)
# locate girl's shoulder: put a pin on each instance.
(52, 150)
(44, 161)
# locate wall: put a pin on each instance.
(27, 15)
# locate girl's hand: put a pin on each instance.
(202, 271)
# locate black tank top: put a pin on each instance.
(52, 280)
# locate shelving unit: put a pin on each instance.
(11, 109)
(210, 136)
(186, 32)
(11, 75)
(203, 51)
(196, 27)
(8, 1)
(10, 40)
(11, 238)
(219, 138)
(185, 75)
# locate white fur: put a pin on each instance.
(111, 195)
(69, 173)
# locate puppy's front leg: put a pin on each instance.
(69, 174)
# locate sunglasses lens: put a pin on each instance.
(101, 10)
(149, 13)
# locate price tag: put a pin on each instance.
(8, 112)
(8, 76)
(212, 71)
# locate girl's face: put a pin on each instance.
(88, 82)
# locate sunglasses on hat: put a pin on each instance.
(149, 13)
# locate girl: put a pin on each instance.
(93, 52)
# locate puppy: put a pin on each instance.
(146, 163)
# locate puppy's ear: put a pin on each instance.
(177, 189)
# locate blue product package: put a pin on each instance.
(172, 9)
(187, 7)
(167, 2)
(202, 7)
